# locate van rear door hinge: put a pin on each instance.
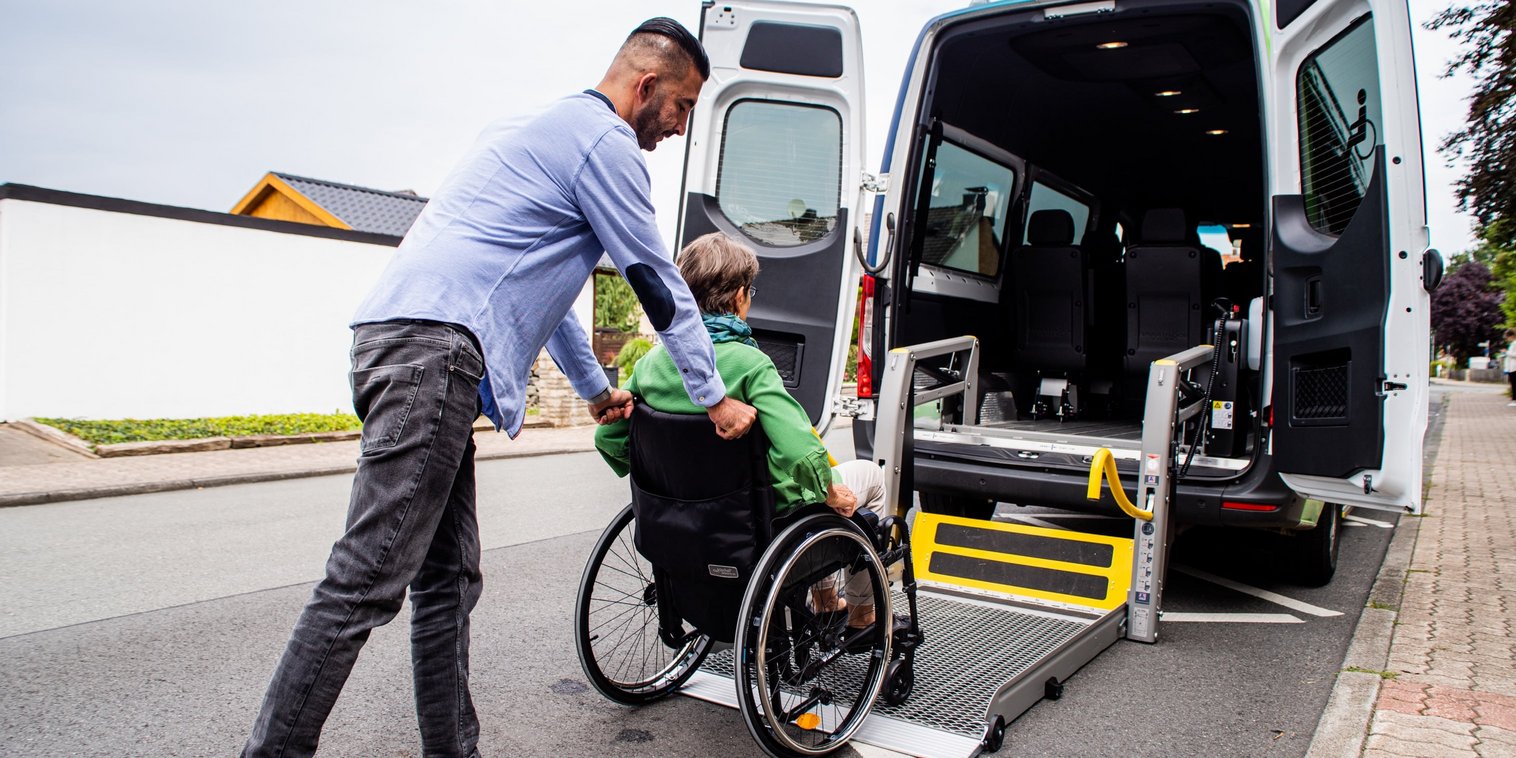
(852, 407)
(876, 183)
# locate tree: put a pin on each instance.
(1488, 140)
(616, 304)
(1502, 263)
(1466, 311)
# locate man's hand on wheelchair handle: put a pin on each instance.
(613, 409)
(841, 499)
(732, 418)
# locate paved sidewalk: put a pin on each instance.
(79, 479)
(1432, 667)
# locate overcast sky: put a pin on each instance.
(190, 102)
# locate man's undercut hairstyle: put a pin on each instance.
(717, 267)
(675, 61)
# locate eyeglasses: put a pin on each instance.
(752, 292)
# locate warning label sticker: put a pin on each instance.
(1221, 414)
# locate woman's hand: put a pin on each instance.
(842, 500)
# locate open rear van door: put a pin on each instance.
(774, 159)
(1350, 314)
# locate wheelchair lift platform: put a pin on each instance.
(1008, 611)
(998, 638)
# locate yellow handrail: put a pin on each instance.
(1105, 464)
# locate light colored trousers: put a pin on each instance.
(866, 480)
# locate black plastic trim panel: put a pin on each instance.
(799, 49)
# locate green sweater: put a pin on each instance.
(798, 462)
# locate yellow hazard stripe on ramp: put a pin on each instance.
(1091, 570)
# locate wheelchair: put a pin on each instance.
(699, 562)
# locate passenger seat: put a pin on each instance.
(1170, 282)
(1048, 292)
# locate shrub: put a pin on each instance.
(630, 353)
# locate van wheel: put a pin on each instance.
(964, 506)
(1315, 551)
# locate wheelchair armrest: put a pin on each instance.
(868, 521)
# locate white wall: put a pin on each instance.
(113, 315)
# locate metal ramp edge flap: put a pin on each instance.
(878, 730)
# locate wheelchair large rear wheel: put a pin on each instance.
(616, 624)
(805, 681)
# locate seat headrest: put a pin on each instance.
(1050, 227)
(1162, 226)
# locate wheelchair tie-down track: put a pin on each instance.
(1008, 611)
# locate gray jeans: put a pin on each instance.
(411, 523)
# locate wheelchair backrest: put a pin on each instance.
(679, 455)
(704, 510)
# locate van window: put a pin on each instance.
(779, 179)
(1045, 197)
(1338, 106)
(971, 197)
(1215, 237)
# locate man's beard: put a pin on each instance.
(645, 123)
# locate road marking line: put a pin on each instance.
(1234, 618)
(1361, 521)
(1272, 597)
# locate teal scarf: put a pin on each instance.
(726, 327)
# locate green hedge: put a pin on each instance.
(152, 430)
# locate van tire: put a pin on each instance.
(1315, 551)
(964, 506)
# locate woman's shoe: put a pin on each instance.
(854, 640)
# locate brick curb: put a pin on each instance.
(168, 485)
(1344, 725)
(160, 447)
(56, 436)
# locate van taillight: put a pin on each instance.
(865, 337)
(1233, 505)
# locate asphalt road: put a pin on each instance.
(149, 625)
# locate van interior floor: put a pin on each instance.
(1107, 428)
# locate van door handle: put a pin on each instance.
(1313, 297)
(889, 247)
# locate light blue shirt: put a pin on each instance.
(510, 239)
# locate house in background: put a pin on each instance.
(303, 200)
(287, 197)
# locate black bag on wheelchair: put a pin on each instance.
(704, 512)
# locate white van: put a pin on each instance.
(1088, 187)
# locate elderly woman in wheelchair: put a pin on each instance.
(748, 542)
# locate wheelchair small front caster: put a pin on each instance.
(901, 681)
